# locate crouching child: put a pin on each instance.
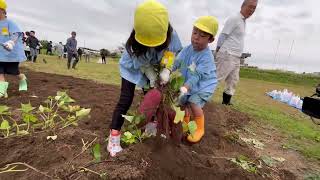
(196, 64)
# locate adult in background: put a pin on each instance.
(49, 48)
(80, 52)
(60, 50)
(103, 55)
(87, 55)
(33, 43)
(65, 51)
(26, 47)
(72, 50)
(230, 47)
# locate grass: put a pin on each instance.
(301, 133)
(102, 73)
(250, 97)
(280, 76)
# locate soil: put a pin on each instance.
(155, 158)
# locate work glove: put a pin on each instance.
(151, 128)
(164, 76)
(8, 45)
(183, 91)
(150, 73)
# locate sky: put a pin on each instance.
(277, 28)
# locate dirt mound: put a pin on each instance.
(156, 158)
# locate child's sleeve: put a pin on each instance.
(203, 69)
(14, 31)
(13, 27)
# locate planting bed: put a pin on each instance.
(155, 158)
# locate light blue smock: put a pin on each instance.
(17, 54)
(198, 69)
(130, 66)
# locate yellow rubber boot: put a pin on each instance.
(196, 137)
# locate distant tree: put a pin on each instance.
(115, 55)
(44, 44)
(105, 52)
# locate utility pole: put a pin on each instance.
(291, 49)
(290, 53)
(275, 55)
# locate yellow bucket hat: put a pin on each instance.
(151, 21)
(208, 24)
(3, 4)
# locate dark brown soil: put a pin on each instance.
(156, 158)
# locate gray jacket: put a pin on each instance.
(71, 46)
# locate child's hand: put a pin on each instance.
(183, 90)
(8, 45)
(164, 76)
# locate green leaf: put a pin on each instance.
(128, 118)
(175, 75)
(192, 126)
(128, 138)
(179, 115)
(74, 108)
(256, 143)
(26, 108)
(5, 125)
(41, 108)
(71, 118)
(64, 97)
(176, 81)
(138, 132)
(61, 104)
(185, 128)
(245, 164)
(96, 152)
(29, 118)
(4, 110)
(268, 161)
(138, 119)
(57, 98)
(128, 135)
(83, 112)
(75, 124)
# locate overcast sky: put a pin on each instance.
(108, 23)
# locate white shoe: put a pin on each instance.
(114, 146)
(151, 128)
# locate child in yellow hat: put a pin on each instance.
(150, 39)
(11, 51)
(196, 63)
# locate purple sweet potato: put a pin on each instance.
(150, 104)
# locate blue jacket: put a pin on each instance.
(7, 29)
(130, 66)
(198, 69)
